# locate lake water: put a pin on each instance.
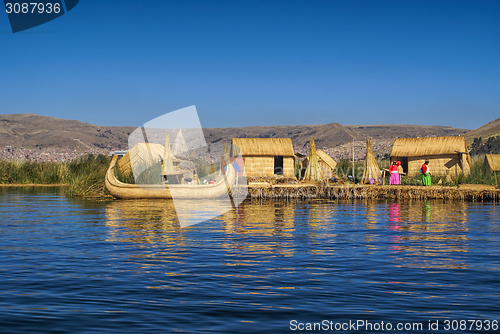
(75, 266)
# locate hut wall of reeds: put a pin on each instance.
(265, 157)
(446, 155)
(492, 162)
(325, 162)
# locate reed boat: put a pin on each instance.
(165, 191)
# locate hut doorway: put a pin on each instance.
(278, 165)
(404, 164)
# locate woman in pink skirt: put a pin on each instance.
(394, 174)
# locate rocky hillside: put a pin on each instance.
(488, 130)
(33, 131)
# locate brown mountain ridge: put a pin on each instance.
(34, 131)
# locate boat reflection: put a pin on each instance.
(264, 228)
(143, 221)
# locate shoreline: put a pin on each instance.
(16, 185)
(309, 191)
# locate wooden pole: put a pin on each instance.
(353, 180)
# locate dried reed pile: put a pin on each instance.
(371, 170)
(309, 191)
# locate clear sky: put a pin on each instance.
(123, 62)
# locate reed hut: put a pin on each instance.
(444, 154)
(265, 157)
(492, 162)
(371, 173)
(325, 163)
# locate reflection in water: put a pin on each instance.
(128, 266)
(421, 234)
(426, 211)
(429, 238)
(394, 221)
(260, 228)
(394, 213)
(143, 221)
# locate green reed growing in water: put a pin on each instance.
(81, 177)
(86, 177)
(25, 172)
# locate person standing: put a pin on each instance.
(394, 173)
(426, 174)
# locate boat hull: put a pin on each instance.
(122, 190)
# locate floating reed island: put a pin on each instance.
(268, 168)
(346, 192)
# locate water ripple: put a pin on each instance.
(128, 267)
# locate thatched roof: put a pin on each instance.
(492, 162)
(142, 154)
(262, 147)
(413, 147)
(326, 158)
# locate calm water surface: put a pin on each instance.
(72, 266)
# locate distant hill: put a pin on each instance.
(488, 130)
(330, 135)
(326, 135)
(34, 131)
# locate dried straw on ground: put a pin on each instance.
(444, 153)
(353, 192)
(372, 171)
(313, 172)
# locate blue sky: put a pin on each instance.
(259, 62)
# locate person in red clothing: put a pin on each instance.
(426, 174)
(394, 174)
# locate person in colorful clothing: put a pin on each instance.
(394, 174)
(426, 174)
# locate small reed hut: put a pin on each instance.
(445, 154)
(325, 163)
(371, 173)
(492, 162)
(265, 157)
